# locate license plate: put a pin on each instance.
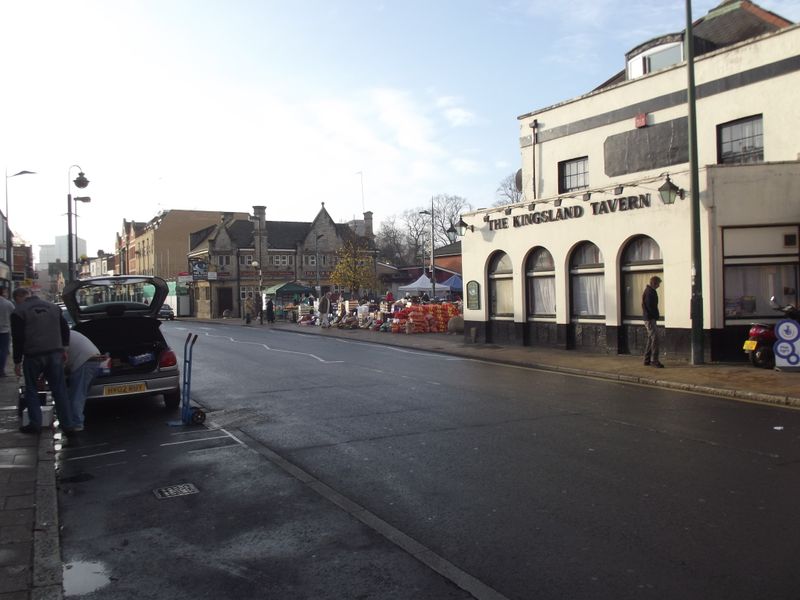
(750, 345)
(124, 388)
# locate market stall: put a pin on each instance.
(287, 297)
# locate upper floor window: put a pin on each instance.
(573, 175)
(741, 141)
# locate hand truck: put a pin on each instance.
(190, 415)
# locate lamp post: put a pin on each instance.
(316, 260)
(9, 241)
(85, 200)
(696, 305)
(433, 260)
(80, 182)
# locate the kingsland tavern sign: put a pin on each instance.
(602, 207)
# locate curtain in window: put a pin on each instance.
(641, 249)
(500, 299)
(748, 289)
(587, 295)
(541, 296)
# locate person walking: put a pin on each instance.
(6, 308)
(248, 308)
(650, 315)
(40, 334)
(270, 311)
(83, 363)
(324, 310)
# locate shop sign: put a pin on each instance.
(787, 348)
(473, 295)
(602, 207)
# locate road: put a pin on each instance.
(502, 481)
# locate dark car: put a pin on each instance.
(112, 312)
(166, 313)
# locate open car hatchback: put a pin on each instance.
(120, 315)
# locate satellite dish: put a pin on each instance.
(518, 180)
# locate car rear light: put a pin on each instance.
(167, 359)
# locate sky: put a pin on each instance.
(225, 104)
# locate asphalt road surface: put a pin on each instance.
(338, 469)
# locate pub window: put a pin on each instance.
(641, 260)
(540, 284)
(587, 282)
(748, 289)
(501, 278)
(741, 141)
(573, 175)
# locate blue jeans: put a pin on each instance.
(79, 381)
(52, 366)
(4, 340)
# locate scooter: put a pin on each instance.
(761, 337)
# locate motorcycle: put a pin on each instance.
(761, 337)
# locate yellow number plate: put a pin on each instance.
(750, 345)
(125, 388)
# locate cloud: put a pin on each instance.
(454, 114)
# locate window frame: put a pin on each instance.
(742, 157)
(496, 278)
(585, 271)
(533, 273)
(565, 175)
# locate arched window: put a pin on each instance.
(501, 277)
(540, 284)
(587, 283)
(641, 260)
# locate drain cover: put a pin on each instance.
(173, 491)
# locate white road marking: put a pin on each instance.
(95, 455)
(217, 437)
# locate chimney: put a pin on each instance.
(260, 213)
(368, 224)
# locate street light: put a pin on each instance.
(9, 241)
(316, 259)
(433, 260)
(85, 200)
(80, 182)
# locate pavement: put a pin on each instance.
(30, 555)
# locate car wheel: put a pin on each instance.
(172, 400)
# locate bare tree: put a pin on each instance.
(417, 233)
(391, 242)
(447, 211)
(507, 191)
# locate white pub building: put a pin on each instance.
(566, 268)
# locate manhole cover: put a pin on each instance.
(173, 491)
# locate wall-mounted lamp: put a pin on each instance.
(669, 191)
(557, 202)
(461, 226)
(532, 206)
(485, 218)
(507, 210)
(587, 196)
(451, 234)
(618, 190)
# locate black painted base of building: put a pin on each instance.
(598, 338)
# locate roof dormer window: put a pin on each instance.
(654, 59)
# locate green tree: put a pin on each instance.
(355, 268)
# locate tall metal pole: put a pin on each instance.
(696, 305)
(433, 261)
(70, 255)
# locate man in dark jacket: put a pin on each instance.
(650, 315)
(40, 334)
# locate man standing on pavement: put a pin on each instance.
(40, 334)
(6, 308)
(324, 310)
(650, 315)
(83, 363)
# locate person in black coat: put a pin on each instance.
(270, 311)
(650, 314)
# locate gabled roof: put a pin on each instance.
(731, 22)
(286, 234)
(453, 249)
(198, 237)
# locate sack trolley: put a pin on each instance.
(190, 415)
